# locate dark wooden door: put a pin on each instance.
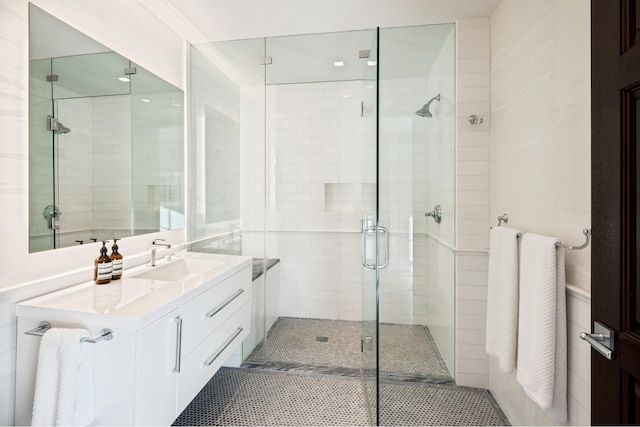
(615, 114)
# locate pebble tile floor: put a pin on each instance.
(298, 340)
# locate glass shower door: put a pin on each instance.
(370, 231)
(416, 183)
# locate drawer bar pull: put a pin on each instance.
(225, 303)
(176, 368)
(223, 347)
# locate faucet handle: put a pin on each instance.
(157, 240)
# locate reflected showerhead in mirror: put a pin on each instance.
(56, 126)
(424, 111)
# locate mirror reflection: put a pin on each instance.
(105, 142)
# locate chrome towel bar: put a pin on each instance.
(587, 234)
(105, 334)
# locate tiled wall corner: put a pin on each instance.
(473, 85)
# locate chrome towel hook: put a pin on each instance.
(503, 218)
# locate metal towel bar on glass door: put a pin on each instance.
(105, 334)
(587, 234)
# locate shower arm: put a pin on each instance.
(435, 98)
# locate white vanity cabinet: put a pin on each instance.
(170, 338)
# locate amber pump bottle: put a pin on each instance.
(116, 257)
(103, 266)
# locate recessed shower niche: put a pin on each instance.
(348, 197)
(105, 141)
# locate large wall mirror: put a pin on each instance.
(106, 150)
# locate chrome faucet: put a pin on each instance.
(153, 250)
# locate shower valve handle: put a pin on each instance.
(436, 213)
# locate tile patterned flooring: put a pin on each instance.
(404, 349)
(312, 377)
(249, 397)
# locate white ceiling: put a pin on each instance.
(304, 57)
(216, 20)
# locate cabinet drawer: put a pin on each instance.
(205, 360)
(206, 312)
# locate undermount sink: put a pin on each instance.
(177, 270)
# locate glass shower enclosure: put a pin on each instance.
(340, 143)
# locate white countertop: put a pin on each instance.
(131, 303)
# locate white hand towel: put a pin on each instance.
(542, 326)
(502, 297)
(64, 379)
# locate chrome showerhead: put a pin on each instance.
(56, 126)
(424, 111)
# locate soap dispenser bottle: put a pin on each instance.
(116, 257)
(103, 266)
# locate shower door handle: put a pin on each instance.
(372, 230)
(366, 231)
(385, 264)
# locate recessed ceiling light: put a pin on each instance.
(371, 63)
(124, 79)
(145, 100)
(338, 63)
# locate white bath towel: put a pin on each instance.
(502, 297)
(542, 325)
(64, 379)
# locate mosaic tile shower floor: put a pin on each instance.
(408, 349)
(251, 397)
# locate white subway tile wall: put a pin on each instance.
(216, 100)
(321, 184)
(473, 39)
(111, 163)
(157, 178)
